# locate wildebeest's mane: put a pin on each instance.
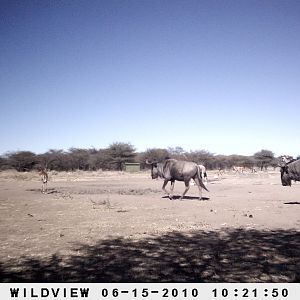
(166, 166)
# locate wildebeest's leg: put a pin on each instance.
(172, 189)
(204, 177)
(164, 188)
(43, 187)
(187, 186)
(199, 187)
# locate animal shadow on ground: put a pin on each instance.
(231, 255)
(292, 202)
(186, 198)
(49, 191)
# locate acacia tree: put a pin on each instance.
(154, 154)
(4, 163)
(201, 157)
(219, 162)
(264, 158)
(119, 153)
(79, 158)
(48, 159)
(55, 160)
(177, 153)
(22, 160)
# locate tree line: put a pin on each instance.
(114, 157)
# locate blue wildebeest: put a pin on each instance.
(290, 171)
(285, 159)
(172, 169)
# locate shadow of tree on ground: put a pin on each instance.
(231, 255)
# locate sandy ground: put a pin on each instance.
(118, 227)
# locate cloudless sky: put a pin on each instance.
(223, 76)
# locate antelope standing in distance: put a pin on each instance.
(44, 177)
(238, 169)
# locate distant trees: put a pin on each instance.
(177, 153)
(264, 158)
(4, 163)
(114, 157)
(79, 159)
(21, 160)
(119, 153)
(155, 154)
(220, 162)
(202, 157)
(54, 160)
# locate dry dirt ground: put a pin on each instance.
(118, 227)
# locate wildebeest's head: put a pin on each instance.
(154, 169)
(285, 178)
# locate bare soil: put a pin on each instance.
(120, 227)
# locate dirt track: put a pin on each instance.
(94, 226)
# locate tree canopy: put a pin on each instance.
(264, 158)
(115, 155)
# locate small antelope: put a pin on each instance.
(221, 171)
(44, 178)
(238, 169)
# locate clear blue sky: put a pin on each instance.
(223, 76)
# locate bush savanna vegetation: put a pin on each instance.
(115, 155)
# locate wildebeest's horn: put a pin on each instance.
(147, 162)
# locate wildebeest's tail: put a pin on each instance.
(200, 178)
